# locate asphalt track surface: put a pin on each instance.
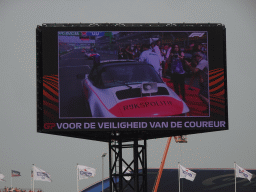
(72, 68)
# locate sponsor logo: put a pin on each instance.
(49, 125)
(15, 173)
(244, 174)
(186, 173)
(42, 175)
(196, 35)
(85, 173)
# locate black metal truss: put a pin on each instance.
(138, 181)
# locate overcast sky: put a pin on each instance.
(20, 144)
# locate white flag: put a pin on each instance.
(2, 177)
(126, 172)
(41, 175)
(242, 173)
(84, 172)
(187, 174)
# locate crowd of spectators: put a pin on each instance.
(6, 189)
(162, 50)
(174, 62)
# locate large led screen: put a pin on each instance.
(169, 79)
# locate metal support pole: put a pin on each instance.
(33, 177)
(103, 155)
(77, 177)
(145, 167)
(235, 174)
(179, 174)
(110, 165)
(135, 157)
(120, 158)
(102, 174)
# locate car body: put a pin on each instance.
(114, 89)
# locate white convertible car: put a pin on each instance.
(123, 88)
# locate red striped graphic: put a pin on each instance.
(50, 105)
(216, 81)
(219, 100)
(215, 71)
(50, 97)
(221, 93)
(217, 91)
(49, 115)
(217, 88)
(50, 89)
(215, 76)
(217, 111)
(53, 85)
(217, 104)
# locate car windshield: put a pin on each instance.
(119, 75)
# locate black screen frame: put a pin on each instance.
(47, 52)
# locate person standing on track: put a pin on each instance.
(177, 72)
(157, 50)
(128, 54)
(151, 58)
